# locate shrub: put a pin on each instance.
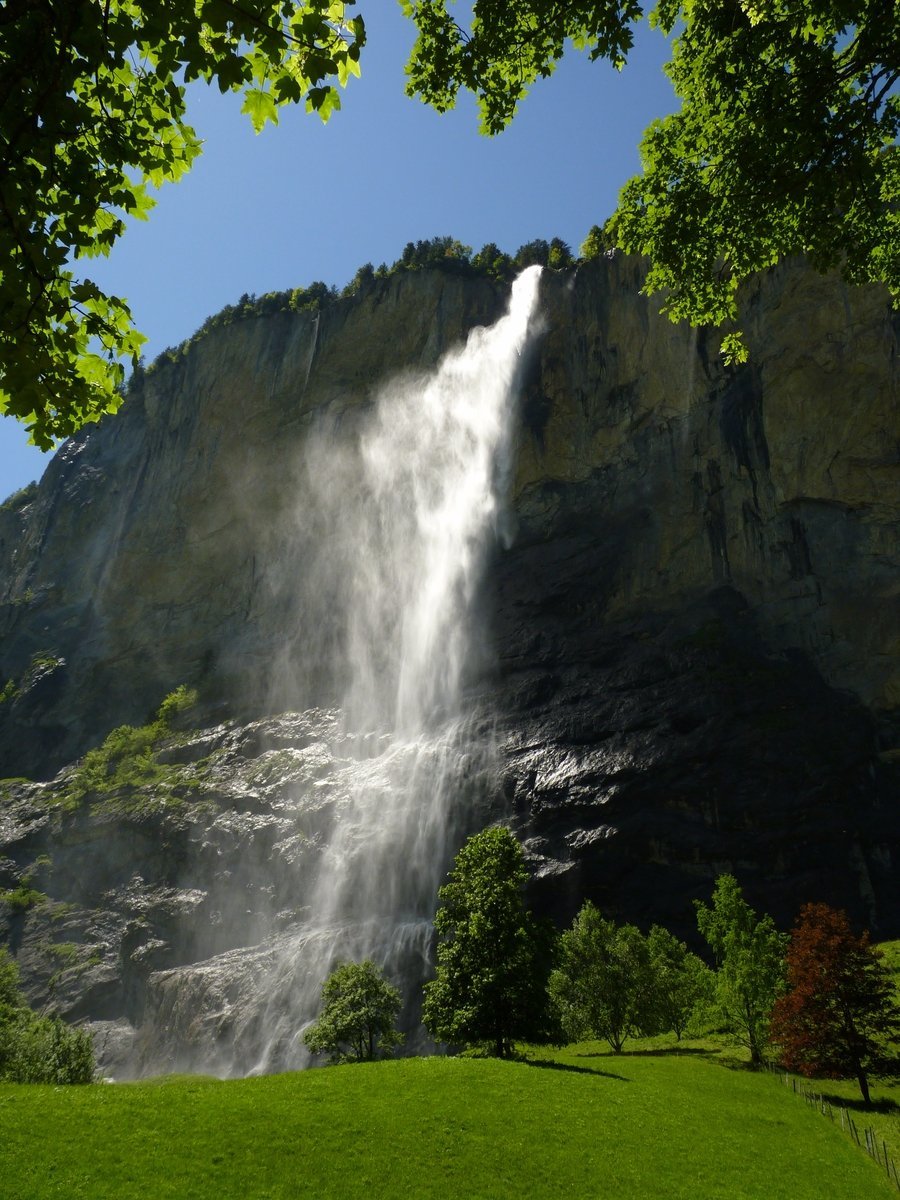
(36, 1049)
(127, 757)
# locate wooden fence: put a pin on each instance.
(869, 1141)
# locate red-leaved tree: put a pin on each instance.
(839, 1014)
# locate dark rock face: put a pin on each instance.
(693, 663)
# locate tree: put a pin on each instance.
(785, 143)
(749, 953)
(839, 1010)
(602, 986)
(36, 1049)
(681, 982)
(92, 111)
(359, 1009)
(493, 958)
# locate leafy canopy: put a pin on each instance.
(92, 112)
(786, 141)
(683, 985)
(749, 953)
(493, 958)
(603, 985)
(611, 982)
(839, 1012)
(359, 1008)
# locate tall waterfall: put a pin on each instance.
(403, 518)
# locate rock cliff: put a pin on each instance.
(692, 661)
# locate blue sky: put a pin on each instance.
(304, 201)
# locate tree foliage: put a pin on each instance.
(603, 984)
(613, 983)
(749, 953)
(682, 984)
(493, 958)
(839, 1012)
(38, 1049)
(92, 112)
(785, 143)
(510, 44)
(359, 1011)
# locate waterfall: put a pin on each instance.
(404, 517)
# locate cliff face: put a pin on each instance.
(169, 545)
(693, 661)
(698, 622)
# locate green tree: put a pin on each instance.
(359, 1011)
(536, 253)
(493, 958)
(36, 1049)
(785, 142)
(493, 261)
(602, 986)
(749, 954)
(682, 984)
(92, 112)
(839, 1013)
(559, 255)
(596, 243)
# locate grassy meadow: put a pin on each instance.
(653, 1122)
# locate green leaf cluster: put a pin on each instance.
(509, 45)
(359, 1011)
(749, 953)
(786, 141)
(493, 957)
(613, 983)
(127, 763)
(92, 113)
(38, 1049)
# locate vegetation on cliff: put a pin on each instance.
(127, 768)
(445, 254)
(36, 1048)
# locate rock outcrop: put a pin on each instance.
(693, 662)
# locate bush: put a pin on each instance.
(36, 1049)
(127, 757)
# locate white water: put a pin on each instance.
(406, 519)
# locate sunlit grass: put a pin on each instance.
(587, 1123)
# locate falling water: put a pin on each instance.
(406, 518)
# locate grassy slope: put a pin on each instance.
(646, 1125)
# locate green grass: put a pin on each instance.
(588, 1123)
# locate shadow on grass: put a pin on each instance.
(856, 1104)
(663, 1052)
(549, 1064)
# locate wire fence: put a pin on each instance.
(868, 1140)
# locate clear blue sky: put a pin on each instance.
(305, 201)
